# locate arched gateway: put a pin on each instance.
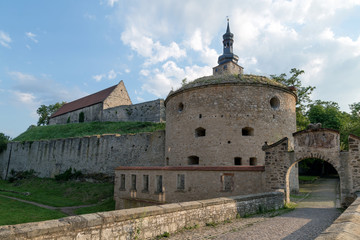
(318, 143)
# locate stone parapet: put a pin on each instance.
(145, 222)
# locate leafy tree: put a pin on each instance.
(303, 94)
(327, 113)
(46, 111)
(3, 141)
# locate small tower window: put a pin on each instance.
(133, 182)
(248, 131)
(237, 161)
(180, 107)
(159, 184)
(145, 183)
(122, 182)
(200, 132)
(253, 161)
(274, 103)
(193, 160)
(180, 182)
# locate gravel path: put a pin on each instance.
(312, 216)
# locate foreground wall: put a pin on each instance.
(94, 154)
(145, 222)
(347, 226)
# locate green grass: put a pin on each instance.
(308, 178)
(15, 212)
(59, 194)
(107, 205)
(87, 129)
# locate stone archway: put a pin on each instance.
(314, 143)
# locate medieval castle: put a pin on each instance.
(213, 145)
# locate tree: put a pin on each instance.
(303, 94)
(46, 111)
(327, 113)
(3, 141)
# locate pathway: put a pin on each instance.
(312, 216)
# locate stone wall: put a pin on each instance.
(91, 114)
(145, 222)
(153, 111)
(185, 183)
(93, 154)
(347, 226)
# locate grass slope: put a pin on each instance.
(15, 212)
(86, 129)
(59, 194)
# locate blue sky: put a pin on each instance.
(53, 51)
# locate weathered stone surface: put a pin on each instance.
(137, 223)
(93, 154)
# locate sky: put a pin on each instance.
(53, 51)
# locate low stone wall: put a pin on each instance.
(347, 226)
(92, 154)
(145, 222)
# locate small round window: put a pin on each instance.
(274, 103)
(181, 107)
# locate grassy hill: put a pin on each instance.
(87, 129)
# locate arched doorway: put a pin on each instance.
(309, 169)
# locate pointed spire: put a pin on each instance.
(228, 40)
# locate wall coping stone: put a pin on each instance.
(194, 168)
(316, 130)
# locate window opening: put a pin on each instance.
(200, 115)
(193, 160)
(200, 132)
(145, 183)
(122, 182)
(252, 161)
(81, 117)
(237, 161)
(180, 107)
(228, 182)
(159, 186)
(133, 182)
(181, 182)
(248, 131)
(274, 103)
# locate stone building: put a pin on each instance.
(215, 128)
(111, 104)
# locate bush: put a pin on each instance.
(3, 142)
(69, 175)
(18, 175)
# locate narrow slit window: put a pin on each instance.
(133, 182)
(145, 183)
(181, 182)
(159, 184)
(122, 182)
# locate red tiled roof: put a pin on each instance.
(84, 102)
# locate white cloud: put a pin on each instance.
(112, 2)
(98, 77)
(43, 89)
(5, 39)
(111, 74)
(160, 81)
(154, 52)
(89, 16)
(127, 70)
(31, 36)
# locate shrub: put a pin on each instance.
(68, 175)
(18, 175)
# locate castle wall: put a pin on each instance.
(94, 154)
(221, 113)
(152, 111)
(91, 114)
(186, 183)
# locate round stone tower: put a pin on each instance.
(225, 119)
